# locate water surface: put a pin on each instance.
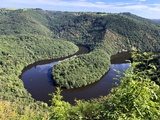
(38, 80)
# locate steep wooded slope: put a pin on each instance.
(127, 30)
(18, 22)
(105, 34)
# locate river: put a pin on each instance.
(38, 80)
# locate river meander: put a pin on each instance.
(38, 80)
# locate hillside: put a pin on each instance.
(156, 20)
(110, 33)
(128, 30)
(17, 22)
(29, 35)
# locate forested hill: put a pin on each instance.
(147, 21)
(105, 34)
(30, 35)
(124, 30)
(156, 20)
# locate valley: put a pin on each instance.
(28, 36)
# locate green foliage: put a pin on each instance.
(149, 63)
(13, 111)
(82, 70)
(82, 110)
(111, 33)
(137, 98)
(127, 30)
(59, 109)
(18, 51)
(17, 22)
(87, 110)
(144, 20)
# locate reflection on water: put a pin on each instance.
(37, 80)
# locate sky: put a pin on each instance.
(144, 8)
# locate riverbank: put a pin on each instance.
(38, 78)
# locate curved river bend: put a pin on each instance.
(38, 80)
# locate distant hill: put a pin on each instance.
(125, 30)
(156, 20)
(18, 22)
(150, 21)
(104, 33)
(26, 36)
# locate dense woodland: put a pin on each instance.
(30, 35)
(82, 70)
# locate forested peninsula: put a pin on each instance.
(30, 35)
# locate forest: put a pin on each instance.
(30, 35)
(157, 20)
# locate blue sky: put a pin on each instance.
(144, 8)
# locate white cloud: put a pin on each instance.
(100, 3)
(142, 0)
(82, 0)
(136, 6)
(155, 9)
(155, 5)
